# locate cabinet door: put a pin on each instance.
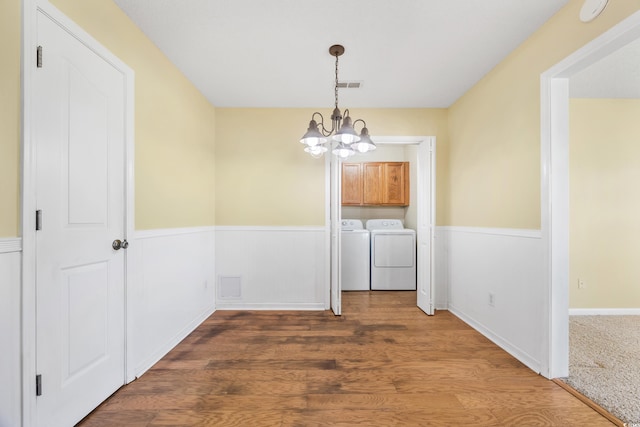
(373, 183)
(352, 184)
(396, 184)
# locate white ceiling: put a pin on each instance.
(274, 53)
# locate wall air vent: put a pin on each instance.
(350, 84)
(229, 287)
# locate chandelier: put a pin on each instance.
(348, 142)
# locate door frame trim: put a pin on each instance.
(30, 9)
(554, 173)
(426, 140)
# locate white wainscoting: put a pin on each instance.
(10, 330)
(503, 263)
(171, 291)
(276, 268)
(441, 286)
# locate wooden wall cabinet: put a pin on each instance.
(375, 184)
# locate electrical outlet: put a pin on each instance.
(492, 300)
(581, 284)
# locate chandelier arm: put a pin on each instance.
(325, 131)
(322, 129)
(313, 117)
(360, 120)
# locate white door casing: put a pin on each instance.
(554, 147)
(336, 235)
(78, 170)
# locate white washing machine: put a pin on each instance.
(355, 270)
(393, 255)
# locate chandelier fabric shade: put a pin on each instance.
(343, 132)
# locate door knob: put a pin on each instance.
(118, 244)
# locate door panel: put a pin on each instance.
(80, 152)
(396, 183)
(352, 184)
(84, 336)
(88, 151)
(426, 224)
(373, 183)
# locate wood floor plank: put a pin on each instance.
(210, 418)
(569, 417)
(556, 398)
(350, 417)
(456, 386)
(396, 401)
(129, 418)
(382, 363)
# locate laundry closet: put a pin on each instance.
(379, 218)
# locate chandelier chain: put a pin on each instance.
(336, 85)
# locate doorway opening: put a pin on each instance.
(555, 187)
(419, 152)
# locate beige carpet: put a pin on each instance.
(604, 362)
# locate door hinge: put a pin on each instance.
(38, 385)
(39, 57)
(38, 220)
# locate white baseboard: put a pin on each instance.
(519, 354)
(154, 358)
(267, 306)
(604, 311)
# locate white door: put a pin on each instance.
(79, 139)
(426, 224)
(336, 236)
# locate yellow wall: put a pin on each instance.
(488, 142)
(263, 176)
(604, 203)
(9, 117)
(174, 123)
(494, 129)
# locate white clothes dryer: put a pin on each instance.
(393, 255)
(355, 270)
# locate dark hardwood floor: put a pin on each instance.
(382, 363)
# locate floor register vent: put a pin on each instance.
(229, 287)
